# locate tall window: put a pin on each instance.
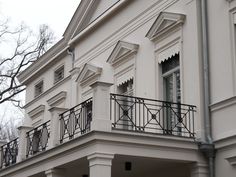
(59, 74)
(172, 92)
(127, 104)
(38, 89)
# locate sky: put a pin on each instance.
(55, 13)
(33, 13)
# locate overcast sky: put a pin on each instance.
(55, 13)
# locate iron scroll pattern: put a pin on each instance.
(76, 121)
(153, 116)
(9, 152)
(37, 139)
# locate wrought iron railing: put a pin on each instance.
(154, 116)
(9, 152)
(76, 121)
(37, 139)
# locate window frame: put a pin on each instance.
(35, 88)
(61, 67)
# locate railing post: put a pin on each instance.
(54, 139)
(101, 106)
(22, 142)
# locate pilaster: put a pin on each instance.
(101, 106)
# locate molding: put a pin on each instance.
(122, 142)
(97, 21)
(36, 111)
(225, 142)
(165, 23)
(47, 91)
(74, 71)
(231, 160)
(53, 53)
(124, 30)
(57, 99)
(222, 104)
(121, 51)
(89, 73)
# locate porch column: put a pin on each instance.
(22, 142)
(100, 164)
(199, 170)
(101, 106)
(55, 172)
(54, 139)
(74, 87)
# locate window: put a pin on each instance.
(38, 89)
(126, 88)
(172, 92)
(171, 78)
(59, 74)
(127, 104)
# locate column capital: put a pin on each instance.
(100, 83)
(55, 172)
(56, 109)
(74, 71)
(100, 164)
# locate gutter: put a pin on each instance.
(207, 146)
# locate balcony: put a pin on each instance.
(105, 113)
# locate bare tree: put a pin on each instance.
(25, 49)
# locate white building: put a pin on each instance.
(134, 88)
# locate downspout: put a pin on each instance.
(207, 147)
(71, 53)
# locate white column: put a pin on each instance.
(100, 164)
(55, 172)
(22, 142)
(74, 87)
(101, 106)
(54, 139)
(199, 170)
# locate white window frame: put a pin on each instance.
(39, 82)
(56, 70)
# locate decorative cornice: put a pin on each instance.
(97, 21)
(47, 91)
(224, 103)
(57, 99)
(58, 50)
(88, 73)
(36, 111)
(232, 160)
(124, 31)
(121, 51)
(165, 22)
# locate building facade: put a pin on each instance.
(134, 88)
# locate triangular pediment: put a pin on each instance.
(88, 72)
(95, 10)
(121, 51)
(164, 23)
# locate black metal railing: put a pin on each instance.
(37, 139)
(76, 121)
(154, 116)
(9, 152)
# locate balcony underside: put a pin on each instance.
(140, 167)
(126, 146)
